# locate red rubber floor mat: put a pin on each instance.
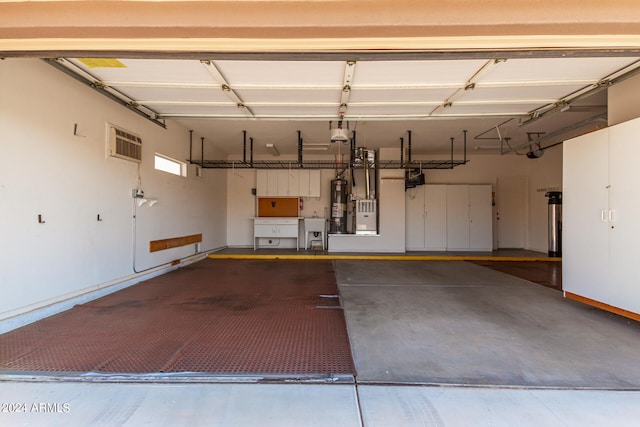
(216, 316)
(546, 273)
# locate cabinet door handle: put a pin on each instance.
(603, 215)
(611, 215)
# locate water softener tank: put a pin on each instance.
(555, 223)
(338, 206)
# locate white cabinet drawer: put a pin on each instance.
(293, 221)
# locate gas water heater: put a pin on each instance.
(338, 206)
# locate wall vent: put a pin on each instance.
(124, 144)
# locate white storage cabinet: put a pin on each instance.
(601, 211)
(288, 183)
(449, 217)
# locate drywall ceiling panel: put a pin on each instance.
(199, 110)
(295, 111)
(390, 96)
(251, 96)
(152, 70)
(400, 95)
(540, 93)
(159, 93)
(390, 109)
(292, 73)
(435, 73)
(555, 69)
(489, 109)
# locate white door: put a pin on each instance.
(457, 217)
(480, 220)
(511, 202)
(585, 206)
(414, 218)
(435, 217)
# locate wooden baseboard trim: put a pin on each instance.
(603, 306)
(174, 242)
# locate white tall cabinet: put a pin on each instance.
(449, 217)
(426, 212)
(288, 183)
(601, 218)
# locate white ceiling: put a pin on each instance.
(382, 100)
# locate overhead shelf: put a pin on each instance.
(325, 164)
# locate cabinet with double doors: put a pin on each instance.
(601, 218)
(442, 217)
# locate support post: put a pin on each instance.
(451, 164)
(244, 146)
(300, 149)
(202, 158)
(190, 145)
(251, 151)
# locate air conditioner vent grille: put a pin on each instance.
(124, 144)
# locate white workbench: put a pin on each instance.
(276, 228)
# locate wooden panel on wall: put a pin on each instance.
(277, 206)
(174, 242)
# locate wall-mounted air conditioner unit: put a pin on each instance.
(123, 144)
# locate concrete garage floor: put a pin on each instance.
(435, 344)
(454, 322)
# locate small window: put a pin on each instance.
(167, 164)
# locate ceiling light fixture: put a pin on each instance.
(272, 149)
(316, 147)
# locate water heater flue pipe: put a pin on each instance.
(367, 185)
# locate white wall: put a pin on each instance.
(241, 207)
(623, 101)
(544, 174)
(46, 170)
(241, 204)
